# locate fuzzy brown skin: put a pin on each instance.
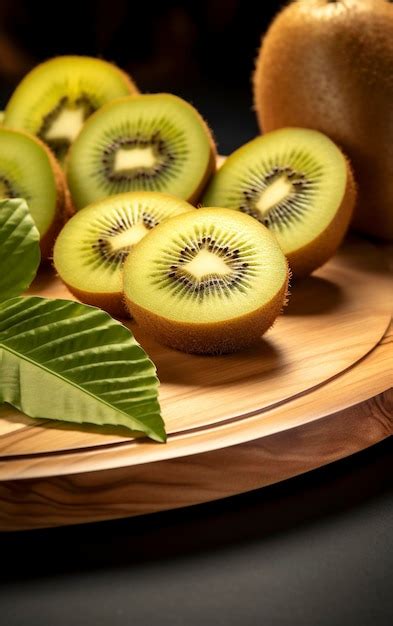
(307, 259)
(328, 66)
(210, 170)
(69, 209)
(64, 206)
(217, 338)
(113, 303)
(127, 79)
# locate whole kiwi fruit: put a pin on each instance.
(328, 66)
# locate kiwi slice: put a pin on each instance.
(55, 98)
(154, 142)
(297, 183)
(29, 170)
(209, 281)
(91, 249)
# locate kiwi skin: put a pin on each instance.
(317, 252)
(212, 339)
(112, 303)
(210, 171)
(327, 66)
(212, 164)
(64, 207)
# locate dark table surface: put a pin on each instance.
(316, 550)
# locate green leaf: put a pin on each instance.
(68, 361)
(19, 247)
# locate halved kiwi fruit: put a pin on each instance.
(91, 249)
(55, 98)
(154, 142)
(29, 170)
(209, 281)
(297, 183)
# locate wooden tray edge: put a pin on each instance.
(185, 481)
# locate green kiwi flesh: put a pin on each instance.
(90, 251)
(154, 142)
(297, 183)
(29, 171)
(209, 281)
(56, 97)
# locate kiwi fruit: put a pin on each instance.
(297, 183)
(210, 281)
(91, 249)
(29, 170)
(154, 142)
(56, 97)
(328, 66)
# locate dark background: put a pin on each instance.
(314, 551)
(203, 51)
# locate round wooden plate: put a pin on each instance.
(316, 388)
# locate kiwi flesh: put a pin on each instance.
(91, 249)
(56, 97)
(29, 170)
(154, 142)
(296, 182)
(210, 281)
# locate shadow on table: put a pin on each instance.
(326, 296)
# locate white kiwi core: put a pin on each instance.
(129, 237)
(66, 125)
(134, 158)
(206, 263)
(275, 193)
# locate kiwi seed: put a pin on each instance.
(54, 100)
(292, 207)
(327, 65)
(297, 183)
(185, 284)
(29, 170)
(159, 150)
(152, 142)
(92, 247)
(60, 141)
(208, 281)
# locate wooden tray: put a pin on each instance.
(318, 387)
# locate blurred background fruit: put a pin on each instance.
(202, 51)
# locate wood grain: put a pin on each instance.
(230, 432)
(200, 477)
(321, 334)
